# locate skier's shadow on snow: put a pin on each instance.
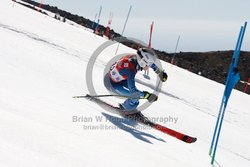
(127, 125)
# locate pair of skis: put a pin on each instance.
(138, 116)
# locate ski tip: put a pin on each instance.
(189, 139)
(85, 96)
(193, 140)
(75, 97)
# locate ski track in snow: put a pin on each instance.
(184, 101)
(176, 97)
(35, 37)
(32, 36)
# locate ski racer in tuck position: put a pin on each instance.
(120, 79)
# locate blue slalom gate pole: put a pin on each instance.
(98, 20)
(232, 79)
(216, 127)
(93, 24)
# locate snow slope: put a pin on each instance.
(42, 65)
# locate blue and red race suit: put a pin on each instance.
(121, 78)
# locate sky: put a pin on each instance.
(202, 25)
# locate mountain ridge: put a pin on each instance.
(213, 65)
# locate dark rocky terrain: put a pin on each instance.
(213, 65)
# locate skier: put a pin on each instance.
(120, 79)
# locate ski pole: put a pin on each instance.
(102, 96)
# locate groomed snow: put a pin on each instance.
(42, 65)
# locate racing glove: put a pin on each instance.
(150, 96)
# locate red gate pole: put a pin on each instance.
(40, 6)
(247, 84)
(150, 37)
